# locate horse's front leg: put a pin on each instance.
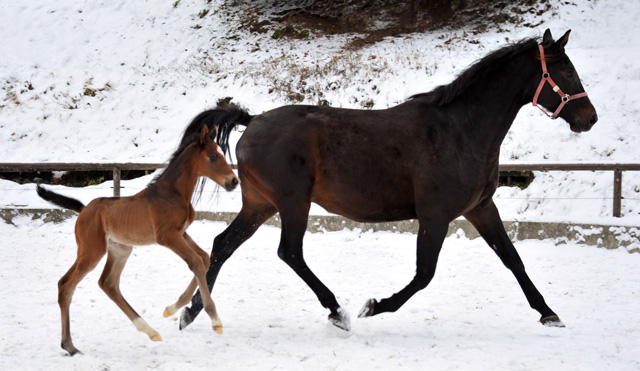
(224, 245)
(431, 235)
(486, 219)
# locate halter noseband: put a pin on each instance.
(546, 78)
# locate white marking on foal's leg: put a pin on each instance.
(170, 310)
(217, 324)
(143, 326)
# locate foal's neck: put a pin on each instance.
(179, 178)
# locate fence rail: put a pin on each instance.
(117, 168)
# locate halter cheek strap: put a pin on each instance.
(546, 78)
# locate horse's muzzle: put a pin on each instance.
(232, 184)
(584, 123)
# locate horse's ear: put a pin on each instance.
(559, 46)
(204, 136)
(547, 38)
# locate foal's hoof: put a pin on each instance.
(367, 310)
(340, 319)
(169, 311)
(217, 324)
(552, 321)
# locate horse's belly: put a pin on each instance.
(356, 194)
(367, 210)
(135, 237)
(130, 228)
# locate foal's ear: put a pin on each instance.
(204, 136)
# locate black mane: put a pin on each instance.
(213, 118)
(445, 94)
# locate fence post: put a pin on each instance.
(617, 192)
(116, 182)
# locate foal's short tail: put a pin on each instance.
(225, 119)
(60, 200)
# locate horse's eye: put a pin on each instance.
(569, 73)
(213, 158)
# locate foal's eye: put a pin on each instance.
(213, 158)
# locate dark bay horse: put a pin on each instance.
(433, 158)
(158, 214)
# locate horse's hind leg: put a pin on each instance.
(251, 217)
(294, 225)
(430, 238)
(486, 220)
(86, 261)
(110, 283)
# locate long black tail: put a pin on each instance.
(225, 119)
(60, 200)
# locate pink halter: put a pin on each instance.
(546, 78)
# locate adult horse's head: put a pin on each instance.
(560, 90)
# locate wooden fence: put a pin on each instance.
(117, 168)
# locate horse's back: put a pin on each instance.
(357, 163)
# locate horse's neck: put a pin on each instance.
(492, 105)
(179, 180)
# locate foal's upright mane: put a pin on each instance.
(492, 62)
(176, 164)
(174, 161)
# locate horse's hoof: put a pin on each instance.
(156, 337)
(72, 351)
(218, 329)
(552, 321)
(185, 319)
(340, 319)
(367, 310)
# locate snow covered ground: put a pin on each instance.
(472, 316)
(88, 81)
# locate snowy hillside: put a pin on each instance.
(118, 81)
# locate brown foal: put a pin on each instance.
(159, 214)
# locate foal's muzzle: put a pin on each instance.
(232, 184)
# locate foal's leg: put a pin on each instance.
(86, 261)
(186, 295)
(486, 220)
(250, 218)
(110, 283)
(176, 243)
(430, 238)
